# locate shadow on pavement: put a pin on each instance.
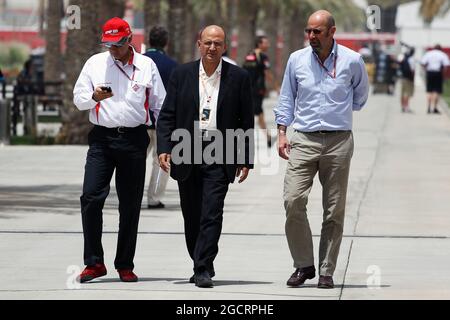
(110, 280)
(63, 199)
(338, 286)
(230, 282)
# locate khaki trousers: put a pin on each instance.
(330, 155)
(156, 189)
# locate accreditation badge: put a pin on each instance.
(135, 87)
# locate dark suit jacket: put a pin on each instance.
(165, 65)
(181, 109)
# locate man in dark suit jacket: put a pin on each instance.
(158, 39)
(206, 99)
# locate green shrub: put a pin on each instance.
(12, 56)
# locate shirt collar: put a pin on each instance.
(131, 60)
(203, 74)
(333, 50)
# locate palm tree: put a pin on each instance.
(110, 9)
(41, 12)
(192, 25)
(152, 12)
(81, 44)
(178, 10)
(429, 9)
(269, 21)
(207, 12)
(52, 59)
(247, 23)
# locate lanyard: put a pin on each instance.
(126, 74)
(155, 50)
(331, 74)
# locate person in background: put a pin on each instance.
(258, 66)
(435, 63)
(365, 52)
(158, 39)
(407, 67)
(226, 58)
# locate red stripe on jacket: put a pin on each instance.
(146, 104)
(97, 109)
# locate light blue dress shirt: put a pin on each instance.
(312, 100)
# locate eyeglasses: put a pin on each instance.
(109, 45)
(315, 31)
(216, 44)
(117, 44)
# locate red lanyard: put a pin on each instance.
(126, 74)
(333, 74)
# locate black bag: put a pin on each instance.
(405, 68)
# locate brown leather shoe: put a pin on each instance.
(301, 275)
(325, 282)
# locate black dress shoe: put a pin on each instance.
(192, 279)
(325, 282)
(301, 275)
(203, 280)
(159, 205)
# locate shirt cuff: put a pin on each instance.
(92, 103)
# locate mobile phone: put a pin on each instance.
(107, 89)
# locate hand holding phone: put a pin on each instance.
(107, 89)
(102, 93)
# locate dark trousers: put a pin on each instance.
(202, 197)
(110, 150)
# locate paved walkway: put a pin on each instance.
(396, 236)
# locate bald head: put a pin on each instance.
(212, 29)
(322, 17)
(211, 44)
(320, 31)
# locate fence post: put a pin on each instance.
(30, 115)
(5, 121)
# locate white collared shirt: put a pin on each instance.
(209, 86)
(434, 60)
(135, 93)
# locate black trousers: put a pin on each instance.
(202, 197)
(435, 81)
(111, 150)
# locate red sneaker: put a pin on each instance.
(92, 272)
(127, 275)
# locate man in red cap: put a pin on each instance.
(117, 87)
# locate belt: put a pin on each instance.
(121, 129)
(324, 131)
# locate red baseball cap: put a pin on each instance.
(115, 29)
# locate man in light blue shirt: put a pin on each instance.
(323, 84)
